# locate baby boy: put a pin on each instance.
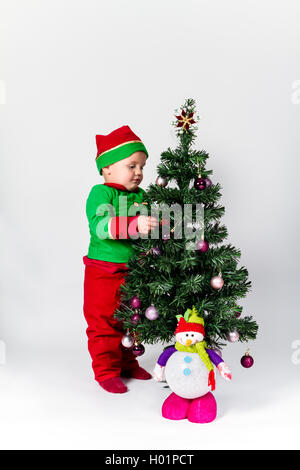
(121, 157)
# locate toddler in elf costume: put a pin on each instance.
(121, 156)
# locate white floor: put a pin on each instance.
(50, 401)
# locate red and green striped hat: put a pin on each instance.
(119, 144)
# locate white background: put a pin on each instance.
(71, 69)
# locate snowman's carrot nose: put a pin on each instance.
(188, 342)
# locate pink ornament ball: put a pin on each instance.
(135, 318)
(202, 245)
(151, 313)
(233, 336)
(135, 302)
(217, 282)
(247, 361)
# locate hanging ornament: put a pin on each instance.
(237, 314)
(135, 302)
(202, 245)
(135, 318)
(155, 251)
(233, 336)
(200, 183)
(247, 361)
(217, 282)
(127, 340)
(166, 237)
(151, 313)
(185, 120)
(160, 181)
(208, 182)
(138, 349)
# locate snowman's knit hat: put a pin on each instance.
(194, 323)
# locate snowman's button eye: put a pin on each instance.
(192, 336)
(187, 334)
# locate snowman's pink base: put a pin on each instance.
(198, 410)
(175, 407)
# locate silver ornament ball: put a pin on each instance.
(127, 341)
(160, 181)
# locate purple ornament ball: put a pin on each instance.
(200, 183)
(138, 349)
(247, 361)
(202, 245)
(155, 251)
(135, 302)
(135, 318)
(208, 182)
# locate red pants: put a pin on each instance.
(101, 298)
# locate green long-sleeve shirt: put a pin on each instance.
(104, 202)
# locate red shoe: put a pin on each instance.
(113, 385)
(137, 373)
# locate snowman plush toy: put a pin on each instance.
(189, 371)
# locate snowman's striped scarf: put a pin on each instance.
(200, 348)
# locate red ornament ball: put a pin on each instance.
(138, 349)
(202, 245)
(135, 302)
(200, 183)
(135, 318)
(247, 361)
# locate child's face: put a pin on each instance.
(128, 172)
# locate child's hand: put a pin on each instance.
(145, 223)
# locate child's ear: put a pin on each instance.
(106, 170)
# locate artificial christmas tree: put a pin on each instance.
(168, 273)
